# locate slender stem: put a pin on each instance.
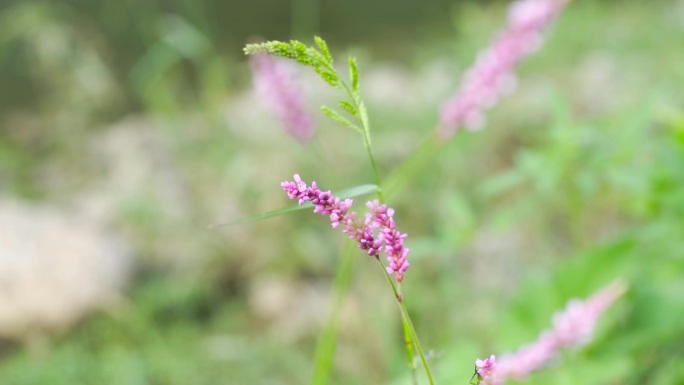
(417, 342)
(365, 127)
(409, 350)
(407, 319)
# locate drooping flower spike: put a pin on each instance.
(378, 217)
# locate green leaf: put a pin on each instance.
(266, 215)
(334, 115)
(351, 192)
(348, 107)
(324, 49)
(356, 191)
(327, 342)
(354, 74)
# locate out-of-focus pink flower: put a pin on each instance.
(493, 76)
(572, 327)
(487, 371)
(379, 217)
(275, 85)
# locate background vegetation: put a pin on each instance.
(145, 110)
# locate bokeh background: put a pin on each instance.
(127, 127)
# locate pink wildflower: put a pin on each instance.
(487, 371)
(274, 83)
(379, 217)
(493, 76)
(573, 327)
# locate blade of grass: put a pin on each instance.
(346, 193)
(327, 342)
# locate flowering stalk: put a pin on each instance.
(573, 327)
(379, 217)
(493, 76)
(274, 84)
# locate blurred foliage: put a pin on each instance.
(577, 180)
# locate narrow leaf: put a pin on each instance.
(266, 215)
(356, 191)
(334, 115)
(327, 342)
(351, 192)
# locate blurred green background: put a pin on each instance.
(128, 127)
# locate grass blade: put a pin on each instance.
(346, 193)
(327, 342)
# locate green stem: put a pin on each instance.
(365, 127)
(406, 318)
(412, 329)
(409, 351)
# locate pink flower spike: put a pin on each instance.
(572, 327)
(378, 217)
(274, 83)
(493, 74)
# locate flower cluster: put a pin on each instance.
(378, 217)
(493, 76)
(274, 83)
(486, 371)
(573, 327)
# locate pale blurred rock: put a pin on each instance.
(55, 267)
